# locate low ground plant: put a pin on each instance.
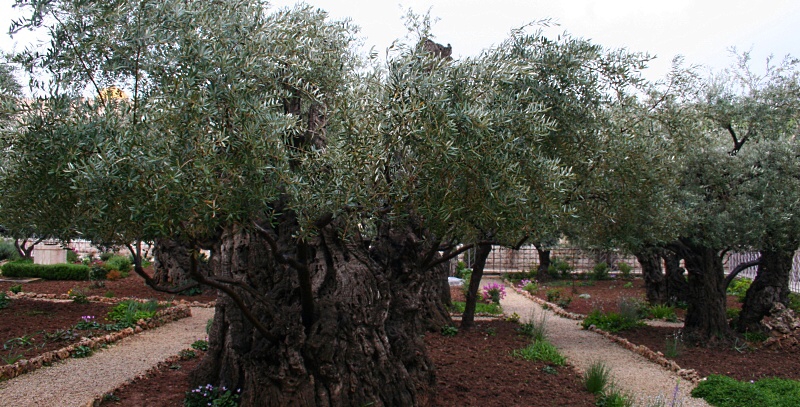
(536, 329)
(82, 351)
(127, 313)
(597, 377)
(528, 285)
(610, 321)
(200, 344)
(4, 301)
(209, 395)
(16, 289)
(673, 345)
(723, 391)
(480, 308)
(494, 292)
(632, 308)
(559, 269)
(600, 271)
(739, 287)
(664, 312)
(614, 397)
(541, 350)
(119, 263)
(625, 270)
(449, 330)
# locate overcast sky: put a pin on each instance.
(702, 31)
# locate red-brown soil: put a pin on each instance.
(25, 323)
(131, 286)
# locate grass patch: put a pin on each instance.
(610, 322)
(480, 308)
(541, 350)
(723, 391)
(597, 377)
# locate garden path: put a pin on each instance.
(76, 382)
(632, 373)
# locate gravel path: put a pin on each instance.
(632, 373)
(76, 382)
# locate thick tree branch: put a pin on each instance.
(137, 267)
(742, 267)
(197, 275)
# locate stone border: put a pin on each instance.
(106, 300)
(162, 317)
(656, 357)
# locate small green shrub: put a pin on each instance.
(536, 329)
(755, 336)
(732, 313)
(105, 256)
(127, 313)
(609, 322)
(614, 398)
(4, 301)
(462, 270)
(119, 263)
(515, 278)
(597, 377)
(739, 287)
(632, 308)
(449, 330)
(629, 284)
(72, 257)
(541, 350)
(78, 295)
(794, 302)
(22, 268)
(664, 312)
(564, 302)
(559, 269)
(200, 344)
(16, 289)
(196, 290)
(723, 391)
(8, 251)
(625, 269)
(553, 295)
(97, 272)
(109, 294)
(600, 271)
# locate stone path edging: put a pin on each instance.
(106, 300)
(163, 316)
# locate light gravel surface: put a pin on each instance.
(76, 382)
(631, 373)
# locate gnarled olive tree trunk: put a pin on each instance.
(172, 261)
(677, 286)
(770, 286)
(654, 282)
(706, 320)
(328, 335)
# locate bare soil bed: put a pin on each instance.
(32, 327)
(131, 286)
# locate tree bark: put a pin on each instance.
(347, 352)
(481, 254)
(706, 321)
(770, 286)
(654, 282)
(677, 286)
(171, 263)
(544, 262)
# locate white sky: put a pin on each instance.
(702, 31)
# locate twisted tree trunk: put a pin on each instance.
(654, 282)
(677, 286)
(706, 320)
(348, 335)
(770, 286)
